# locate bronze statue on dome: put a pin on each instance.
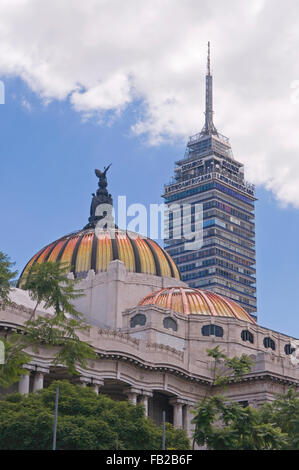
(101, 197)
(102, 176)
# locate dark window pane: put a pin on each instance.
(138, 320)
(288, 349)
(169, 322)
(269, 343)
(212, 330)
(247, 336)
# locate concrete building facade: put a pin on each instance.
(152, 349)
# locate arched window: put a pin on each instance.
(170, 323)
(288, 349)
(269, 343)
(212, 330)
(247, 336)
(138, 320)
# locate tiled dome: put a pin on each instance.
(95, 249)
(196, 301)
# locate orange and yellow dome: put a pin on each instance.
(89, 249)
(196, 301)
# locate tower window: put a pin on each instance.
(288, 349)
(269, 343)
(170, 323)
(138, 320)
(247, 336)
(212, 330)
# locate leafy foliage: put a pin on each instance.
(223, 425)
(48, 283)
(284, 412)
(15, 358)
(227, 369)
(6, 276)
(85, 421)
(230, 426)
(60, 332)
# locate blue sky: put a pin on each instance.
(47, 159)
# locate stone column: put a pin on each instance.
(96, 384)
(144, 401)
(177, 413)
(38, 381)
(132, 394)
(24, 384)
(96, 388)
(84, 381)
(188, 426)
(132, 397)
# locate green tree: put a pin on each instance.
(15, 358)
(225, 369)
(48, 283)
(218, 424)
(223, 425)
(284, 412)
(6, 276)
(230, 426)
(85, 421)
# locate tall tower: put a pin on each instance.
(208, 174)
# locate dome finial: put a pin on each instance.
(102, 176)
(101, 197)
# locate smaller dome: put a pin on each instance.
(196, 301)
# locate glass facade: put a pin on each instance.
(225, 262)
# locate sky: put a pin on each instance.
(98, 82)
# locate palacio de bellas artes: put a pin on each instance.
(153, 312)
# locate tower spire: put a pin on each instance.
(208, 61)
(209, 127)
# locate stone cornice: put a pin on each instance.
(159, 367)
(13, 307)
(119, 335)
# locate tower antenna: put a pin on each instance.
(209, 127)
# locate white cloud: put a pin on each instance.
(25, 103)
(112, 94)
(104, 54)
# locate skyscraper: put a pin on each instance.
(209, 174)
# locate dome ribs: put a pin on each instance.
(156, 260)
(59, 256)
(91, 249)
(28, 266)
(115, 254)
(210, 304)
(75, 254)
(93, 260)
(51, 250)
(169, 298)
(187, 300)
(165, 269)
(136, 253)
(170, 265)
